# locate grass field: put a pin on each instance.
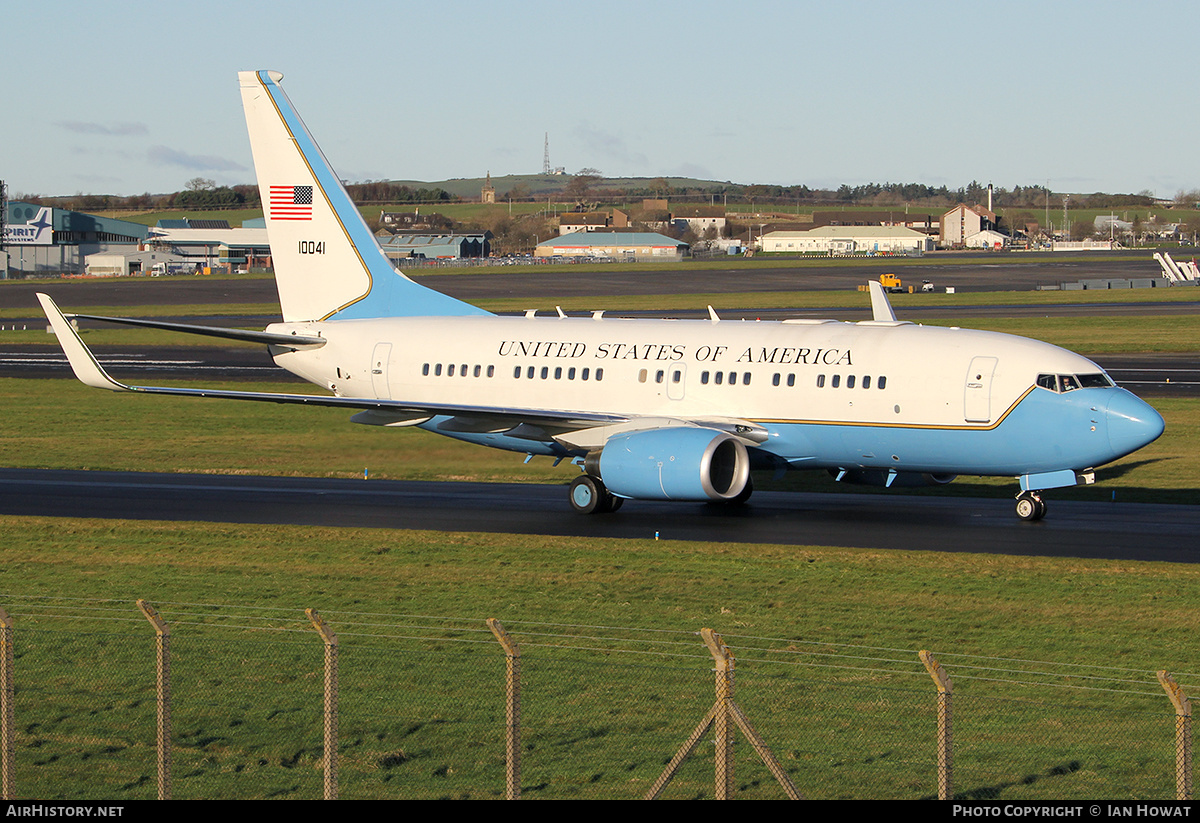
(1052, 662)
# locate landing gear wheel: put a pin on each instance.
(588, 496)
(1030, 506)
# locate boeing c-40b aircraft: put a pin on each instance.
(649, 409)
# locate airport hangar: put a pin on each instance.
(70, 242)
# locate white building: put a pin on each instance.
(848, 240)
(962, 222)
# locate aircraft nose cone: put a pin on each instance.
(1132, 423)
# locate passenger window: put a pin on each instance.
(529, 373)
(882, 383)
(849, 381)
(571, 373)
(425, 370)
(437, 370)
(545, 372)
(746, 379)
(676, 376)
(791, 380)
(719, 377)
(659, 375)
(775, 379)
(866, 381)
(642, 376)
(599, 374)
(820, 381)
(450, 370)
(703, 378)
(837, 381)
(584, 374)
(558, 373)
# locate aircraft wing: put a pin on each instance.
(89, 371)
(590, 428)
(291, 341)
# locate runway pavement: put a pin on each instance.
(1124, 531)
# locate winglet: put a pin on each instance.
(83, 363)
(881, 308)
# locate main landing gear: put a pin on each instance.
(1030, 506)
(588, 496)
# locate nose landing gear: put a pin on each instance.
(1030, 506)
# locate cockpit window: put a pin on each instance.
(1095, 381)
(1069, 382)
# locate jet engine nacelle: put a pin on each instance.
(890, 479)
(684, 463)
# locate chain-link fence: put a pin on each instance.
(102, 701)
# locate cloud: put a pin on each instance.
(166, 156)
(692, 170)
(608, 145)
(115, 130)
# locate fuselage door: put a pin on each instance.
(977, 399)
(379, 371)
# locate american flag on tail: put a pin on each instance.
(290, 203)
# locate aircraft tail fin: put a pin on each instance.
(327, 263)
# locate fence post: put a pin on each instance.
(512, 711)
(7, 690)
(162, 670)
(329, 760)
(723, 657)
(1183, 736)
(945, 744)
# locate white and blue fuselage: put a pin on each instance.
(888, 396)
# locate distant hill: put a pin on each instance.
(540, 185)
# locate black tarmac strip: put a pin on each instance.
(1114, 531)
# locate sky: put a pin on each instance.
(142, 96)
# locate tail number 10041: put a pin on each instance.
(312, 246)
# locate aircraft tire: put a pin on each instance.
(588, 496)
(1030, 507)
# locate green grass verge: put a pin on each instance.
(422, 697)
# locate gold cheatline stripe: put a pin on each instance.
(990, 427)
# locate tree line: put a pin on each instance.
(589, 185)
